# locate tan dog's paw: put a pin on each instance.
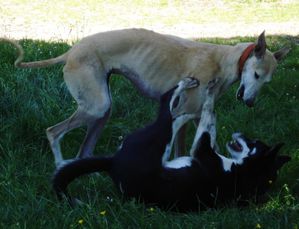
(189, 82)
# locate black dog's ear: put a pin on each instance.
(281, 160)
(205, 141)
(203, 145)
(274, 150)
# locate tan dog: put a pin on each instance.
(154, 63)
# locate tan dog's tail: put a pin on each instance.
(35, 64)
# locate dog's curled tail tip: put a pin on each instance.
(19, 60)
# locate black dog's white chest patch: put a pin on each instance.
(179, 162)
(226, 163)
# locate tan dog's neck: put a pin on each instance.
(228, 59)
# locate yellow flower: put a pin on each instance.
(80, 221)
(258, 226)
(103, 213)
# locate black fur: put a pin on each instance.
(137, 170)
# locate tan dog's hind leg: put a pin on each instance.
(55, 133)
(93, 131)
(88, 86)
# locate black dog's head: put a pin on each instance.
(256, 164)
(250, 172)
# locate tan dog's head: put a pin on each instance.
(258, 69)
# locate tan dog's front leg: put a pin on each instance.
(176, 105)
(180, 139)
(208, 118)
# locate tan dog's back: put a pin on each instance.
(154, 60)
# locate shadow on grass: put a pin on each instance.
(33, 99)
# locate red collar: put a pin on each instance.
(244, 57)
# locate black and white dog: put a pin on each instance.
(141, 169)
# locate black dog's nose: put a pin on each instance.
(240, 92)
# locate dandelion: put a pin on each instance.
(81, 221)
(151, 209)
(258, 226)
(103, 213)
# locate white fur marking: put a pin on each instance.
(166, 154)
(253, 151)
(226, 163)
(179, 162)
(120, 146)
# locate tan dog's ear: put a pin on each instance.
(281, 53)
(260, 48)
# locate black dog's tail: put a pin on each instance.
(66, 174)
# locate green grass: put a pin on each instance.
(32, 100)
